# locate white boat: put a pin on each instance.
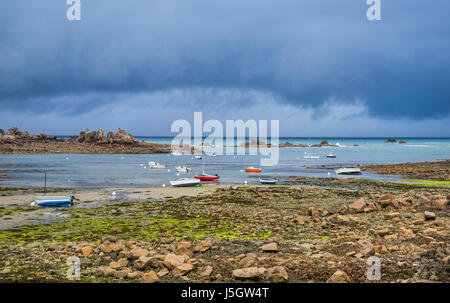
(54, 201)
(184, 182)
(176, 153)
(348, 171)
(331, 155)
(153, 164)
(268, 180)
(198, 157)
(212, 154)
(182, 169)
(307, 154)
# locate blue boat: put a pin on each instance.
(55, 201)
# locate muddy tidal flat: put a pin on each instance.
(306, 231)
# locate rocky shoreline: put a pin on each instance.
(439, 170)
(15, 141)
(298, 233)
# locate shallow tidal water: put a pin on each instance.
(90, 171)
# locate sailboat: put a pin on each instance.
(204, 176)
(53, 201)
(307, 154)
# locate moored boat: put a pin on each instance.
(185, 182)
(268, 180)
(153, 164)
(348, 171)
(252, 170)
(182, 169)
(206, 177)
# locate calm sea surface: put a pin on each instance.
(71, 170)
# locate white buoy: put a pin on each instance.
(164, 185)
(142, 164)
(178, 174)
(245, 182)
(168, 170)
(145, 167)
(329, 173)
(67, 158)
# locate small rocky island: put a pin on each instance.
(89, 141)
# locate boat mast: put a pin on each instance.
(203, 161)
(45, 183)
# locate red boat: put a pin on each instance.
(206, 177)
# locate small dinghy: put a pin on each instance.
(54, 201)
(182, 169)
(348, 171)
(153, 164)
(268, 180)
(331, 156)
(252, 170)
(198, 157)
(185, 182)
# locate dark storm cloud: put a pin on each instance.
(304, 52)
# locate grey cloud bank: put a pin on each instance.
(317, 57)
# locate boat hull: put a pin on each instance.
(268, 181)
(348, 171)
(185, 183)
(252, 170)
(54, 201)
(207, 178)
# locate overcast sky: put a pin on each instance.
(318, 66)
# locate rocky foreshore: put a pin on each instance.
(89, 141)
(297, 233)
(439, 170)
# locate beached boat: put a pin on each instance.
(54, 201)
(153, 164)
(268, 180)
(185, 182)
(252, 169)
(182, 169)
(348, 171)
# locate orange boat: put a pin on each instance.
(252, 170)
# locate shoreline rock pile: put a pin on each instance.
(14, 134)
(98, 137)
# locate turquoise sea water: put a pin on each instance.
(74, 170)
